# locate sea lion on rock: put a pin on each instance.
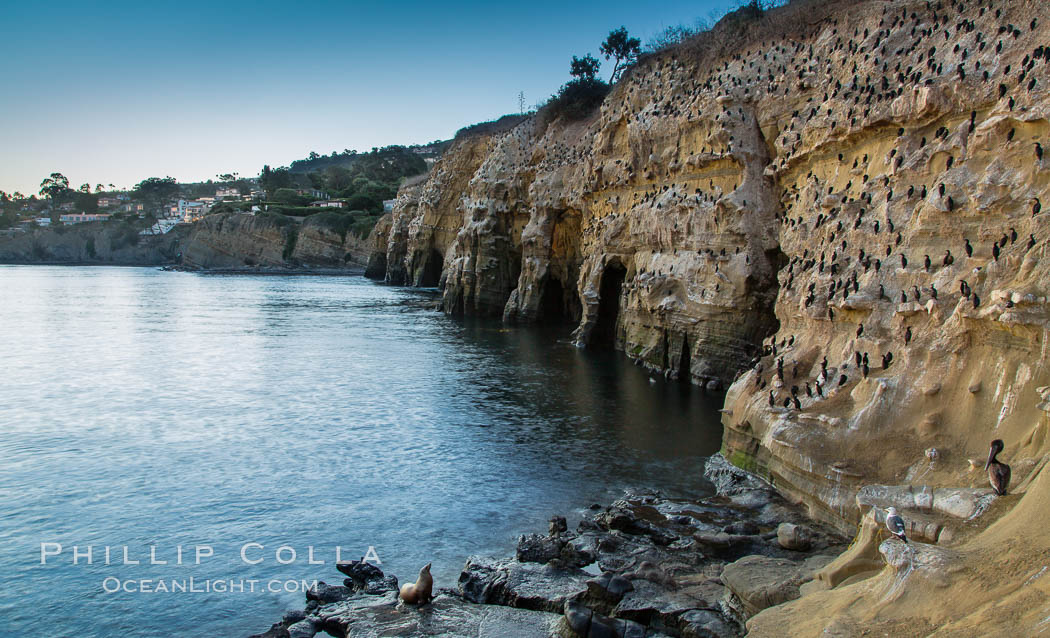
(420, 592)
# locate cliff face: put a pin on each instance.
(246, 241)
(94, 243)
(858, 203)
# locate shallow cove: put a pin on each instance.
(145, 407)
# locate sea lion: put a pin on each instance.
(420, 592)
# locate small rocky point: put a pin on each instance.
(646, 565)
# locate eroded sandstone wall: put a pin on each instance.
(101, 243)
(784, 200)
(240, 241)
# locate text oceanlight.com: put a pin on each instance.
(113, 585)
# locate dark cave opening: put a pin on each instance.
(609, 292)
(684, 363)
(432, 270)
(552, 303)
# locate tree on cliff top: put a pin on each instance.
(56, 189)
(585, 68)
(156, 191)
(623, 48)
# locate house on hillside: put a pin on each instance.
(227, 193)
(108, 202)
(332, 203)
(191, 211)
(80, 218)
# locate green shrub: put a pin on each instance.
(291, 236)
(363, 201)
(364, 225)
(334, 221)
(290, 197)
(276, 218)
(575, 100)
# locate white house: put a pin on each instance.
(79, 218)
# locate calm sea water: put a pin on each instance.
(140, 407)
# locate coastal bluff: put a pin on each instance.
(834, 210)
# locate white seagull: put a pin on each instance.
(895, 523)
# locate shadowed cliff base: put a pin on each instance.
(605, 331)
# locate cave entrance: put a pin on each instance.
(609, 292)
(685, 362)
(432, 270)
(552, 303)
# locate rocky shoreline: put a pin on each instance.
(646, 565)
(353, 271)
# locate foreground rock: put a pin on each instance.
(644, 566)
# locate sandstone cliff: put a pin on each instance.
(94, 243)
(245, 241)
(836, 208)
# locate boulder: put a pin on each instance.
(325, 593)
(522, 585)
(754, 583)
(794, 537)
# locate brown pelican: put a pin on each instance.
(895, 523)
(998, 472)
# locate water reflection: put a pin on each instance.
(148, 407)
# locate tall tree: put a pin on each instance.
(99, 188)
(55, 186)
(621, 47)
(585, 68)
(56, 189)
(156, 191)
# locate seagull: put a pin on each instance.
(895, 523)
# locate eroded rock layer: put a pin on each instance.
(247, 241)
(841, 216)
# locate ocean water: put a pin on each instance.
(142, 408)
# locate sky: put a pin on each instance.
(115, 92)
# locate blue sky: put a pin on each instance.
(116, 92)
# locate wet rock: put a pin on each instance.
(558, 524)
(523, 585)
(622, 517)
(276, 630)
(303, 629)
(745, 528)
(578, 617)
(704, 623)
(729, 479)
(366, 577)
(325, 593)
(663, 609)
(533, 548)
(794, 537)
(609, 587)
(293, 616)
